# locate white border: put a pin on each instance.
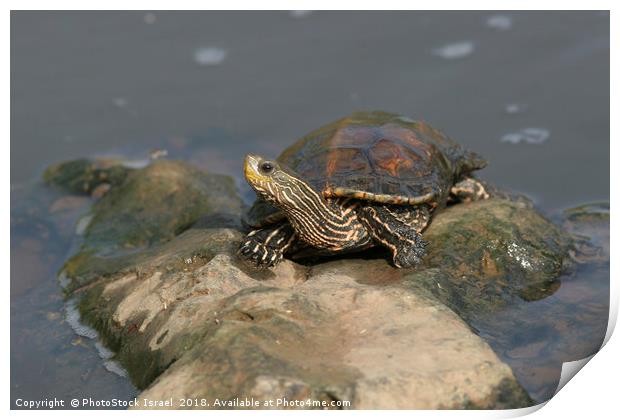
(593, 394)
(314, 5)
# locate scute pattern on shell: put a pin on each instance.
(378, 156)
(378, 153)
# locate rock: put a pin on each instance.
(332, 338)
(156, 203)
(68, 203)
(223, 330)
(485, 254)
(158, 277)
(151, 206)
(83, 176)
(590, 224)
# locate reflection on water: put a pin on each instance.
(299, 14)
(535, 338)
(457, 50)
(150, 18)
(530, 135)
(499, 22)
(514, 108)
(209, 56)
(52, 354)
(127, 83)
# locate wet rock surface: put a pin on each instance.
(156, 274)
(487, 254)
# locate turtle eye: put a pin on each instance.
(267, 167)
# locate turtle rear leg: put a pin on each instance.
(468, 189)
(397, 228)
(266, 247)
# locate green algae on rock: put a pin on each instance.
(151, 206)
(156, 203)
(486, 253)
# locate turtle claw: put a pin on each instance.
(260, 255)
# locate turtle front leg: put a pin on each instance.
(266, 247)
(468, 189)
(398, 228)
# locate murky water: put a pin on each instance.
(529, 91)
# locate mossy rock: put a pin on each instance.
(83, 176)
(156, 203)
(152, 206)
(483, 255)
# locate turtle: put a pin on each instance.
(369, 179)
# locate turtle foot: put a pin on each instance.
(258, 253)
(469, 189)
(409, 255)
(266, 247)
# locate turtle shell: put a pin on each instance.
(375, 156)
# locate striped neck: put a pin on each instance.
(317, 221)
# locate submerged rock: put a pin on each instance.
(83, 176)
(158, 277)
(590, 225)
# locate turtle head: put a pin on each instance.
(274, 183)
(310, 214)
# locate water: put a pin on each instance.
(210, 86)
(499, 22)
(530, 135)
(455, 51)
(209, 56)
(535, 338)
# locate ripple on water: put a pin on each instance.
(119, 102)
(111, 365)
(114, 367)
(150, 18)
(103, 351)
(455, 50)
(63, 280)
(209, 56)
(299, 14)
(73, 319)
(499, 22)
(82, 224)
(529, 135)
(514, 108)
